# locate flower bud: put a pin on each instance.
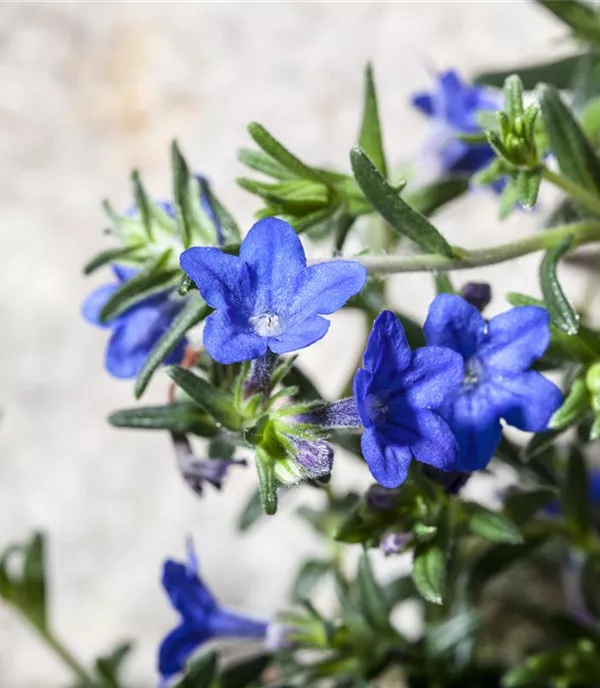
(478, 294)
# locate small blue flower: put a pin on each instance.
(267, 298)
(397, 394)
(201, 617)
(453, 106)
(498, 382)
(135, 332)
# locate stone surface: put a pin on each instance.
(91, 90)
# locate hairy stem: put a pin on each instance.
(582, 232)
(61, 651)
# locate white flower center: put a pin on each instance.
(266, 325)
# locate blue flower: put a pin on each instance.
(498, 382)
(453, 106)
(135, 332)
(397, 394)
(201, 617)
(267, 298)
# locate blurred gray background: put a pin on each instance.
(90, 90)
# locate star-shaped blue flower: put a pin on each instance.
(453, 107)
(398, 394)
(201, 617)
(267, 298)
(498, 382)
(135, 332)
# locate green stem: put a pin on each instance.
(65, 655)
(582, 232)
(576, 192)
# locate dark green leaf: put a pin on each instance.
(194, 312)
(430, 198)
(508, 198)
(181, 193)
(561, 311)
(399, 590)
(559, 73)
(540, 443)
(200, 673)
(442, 638)
(576, 504)
(528, 185)
(225, 220)
(283, 156)
(154, 278)
(491, 525)
(521, 507)
(370, 131)
(579, 16)
(586, 83)
(143, 203)
(430, 558)
(109, 666)
(373, 602)
(33, 581)
(590, 584)
(251, 513)
(112, 255)
(443, 283)
(180, 417)
(576, 157)
(214, 401)
(399, 215)
(244, 673)
(311, 572)
(267, 481)
(574, 407)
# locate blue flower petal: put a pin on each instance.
(516, 339)
(454, 323)
(362, 382)
(220, 277)
(528, 400)
(424, 102)
(388, 463)
(474, 419)
(434, 373)
(324, 288)
(276, 257)
(231, 341)
(226, 624)
(187, 592)
(299, 335)
(387, 352)
(95, 302)
(178, 646)
(124, 273)
(436, 445)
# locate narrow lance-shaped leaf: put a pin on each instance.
(370, 139)
(261, 162)
(561, 311)
(491, 525)
(576, 503)
(310, 574)
(576, 157)
(373, 602)
(111, 255)
(513, 97)
(180, 417)
(267, 481)
(181, 190)
(33, 582)
(579, 16)
(398, 214)
(143, 204)
(430, 560)
(559, 73)
(225, 220)
(194, 312)
(574, 407)
(215, 402)
(201, 672)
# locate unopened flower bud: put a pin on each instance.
(478, 294)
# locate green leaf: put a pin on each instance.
(267, 481)
(251, 513)
(399, 215)
(181, 417)
(443, 283)
(430, 198)
(244, 673)
(109, 666)
(143, 203)
(586, 84)
(508, 198)
(200, 673)
(154, 278)
(214, 401)
(590, 584)
(521, 507)
(577, 15)
(311, 572)
(576, 503)
(193, 313)
(574, 407)
(370, 131)
(33, 581)
(491, 525)
(373, 602)
(261, 162)
(283, 156)
(595, 429)
(225, 220)
(528, 185)
(111, 255)
(513, 97)
(444, 637)
(181, 193)
(576, 157)
(429, 564)
(559, 73)
(561, 311)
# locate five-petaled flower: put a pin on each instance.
(398, 394)
(498, 382)
(267, 298)
(201, 617)
(136, 331)
(453, 107)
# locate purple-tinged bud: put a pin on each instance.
(278, 637)
(259, 379)
(337, 414)
(451, 481)
(197, 471)
(314, 456)
(380, 498)
(478, 294)
(394, 543)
